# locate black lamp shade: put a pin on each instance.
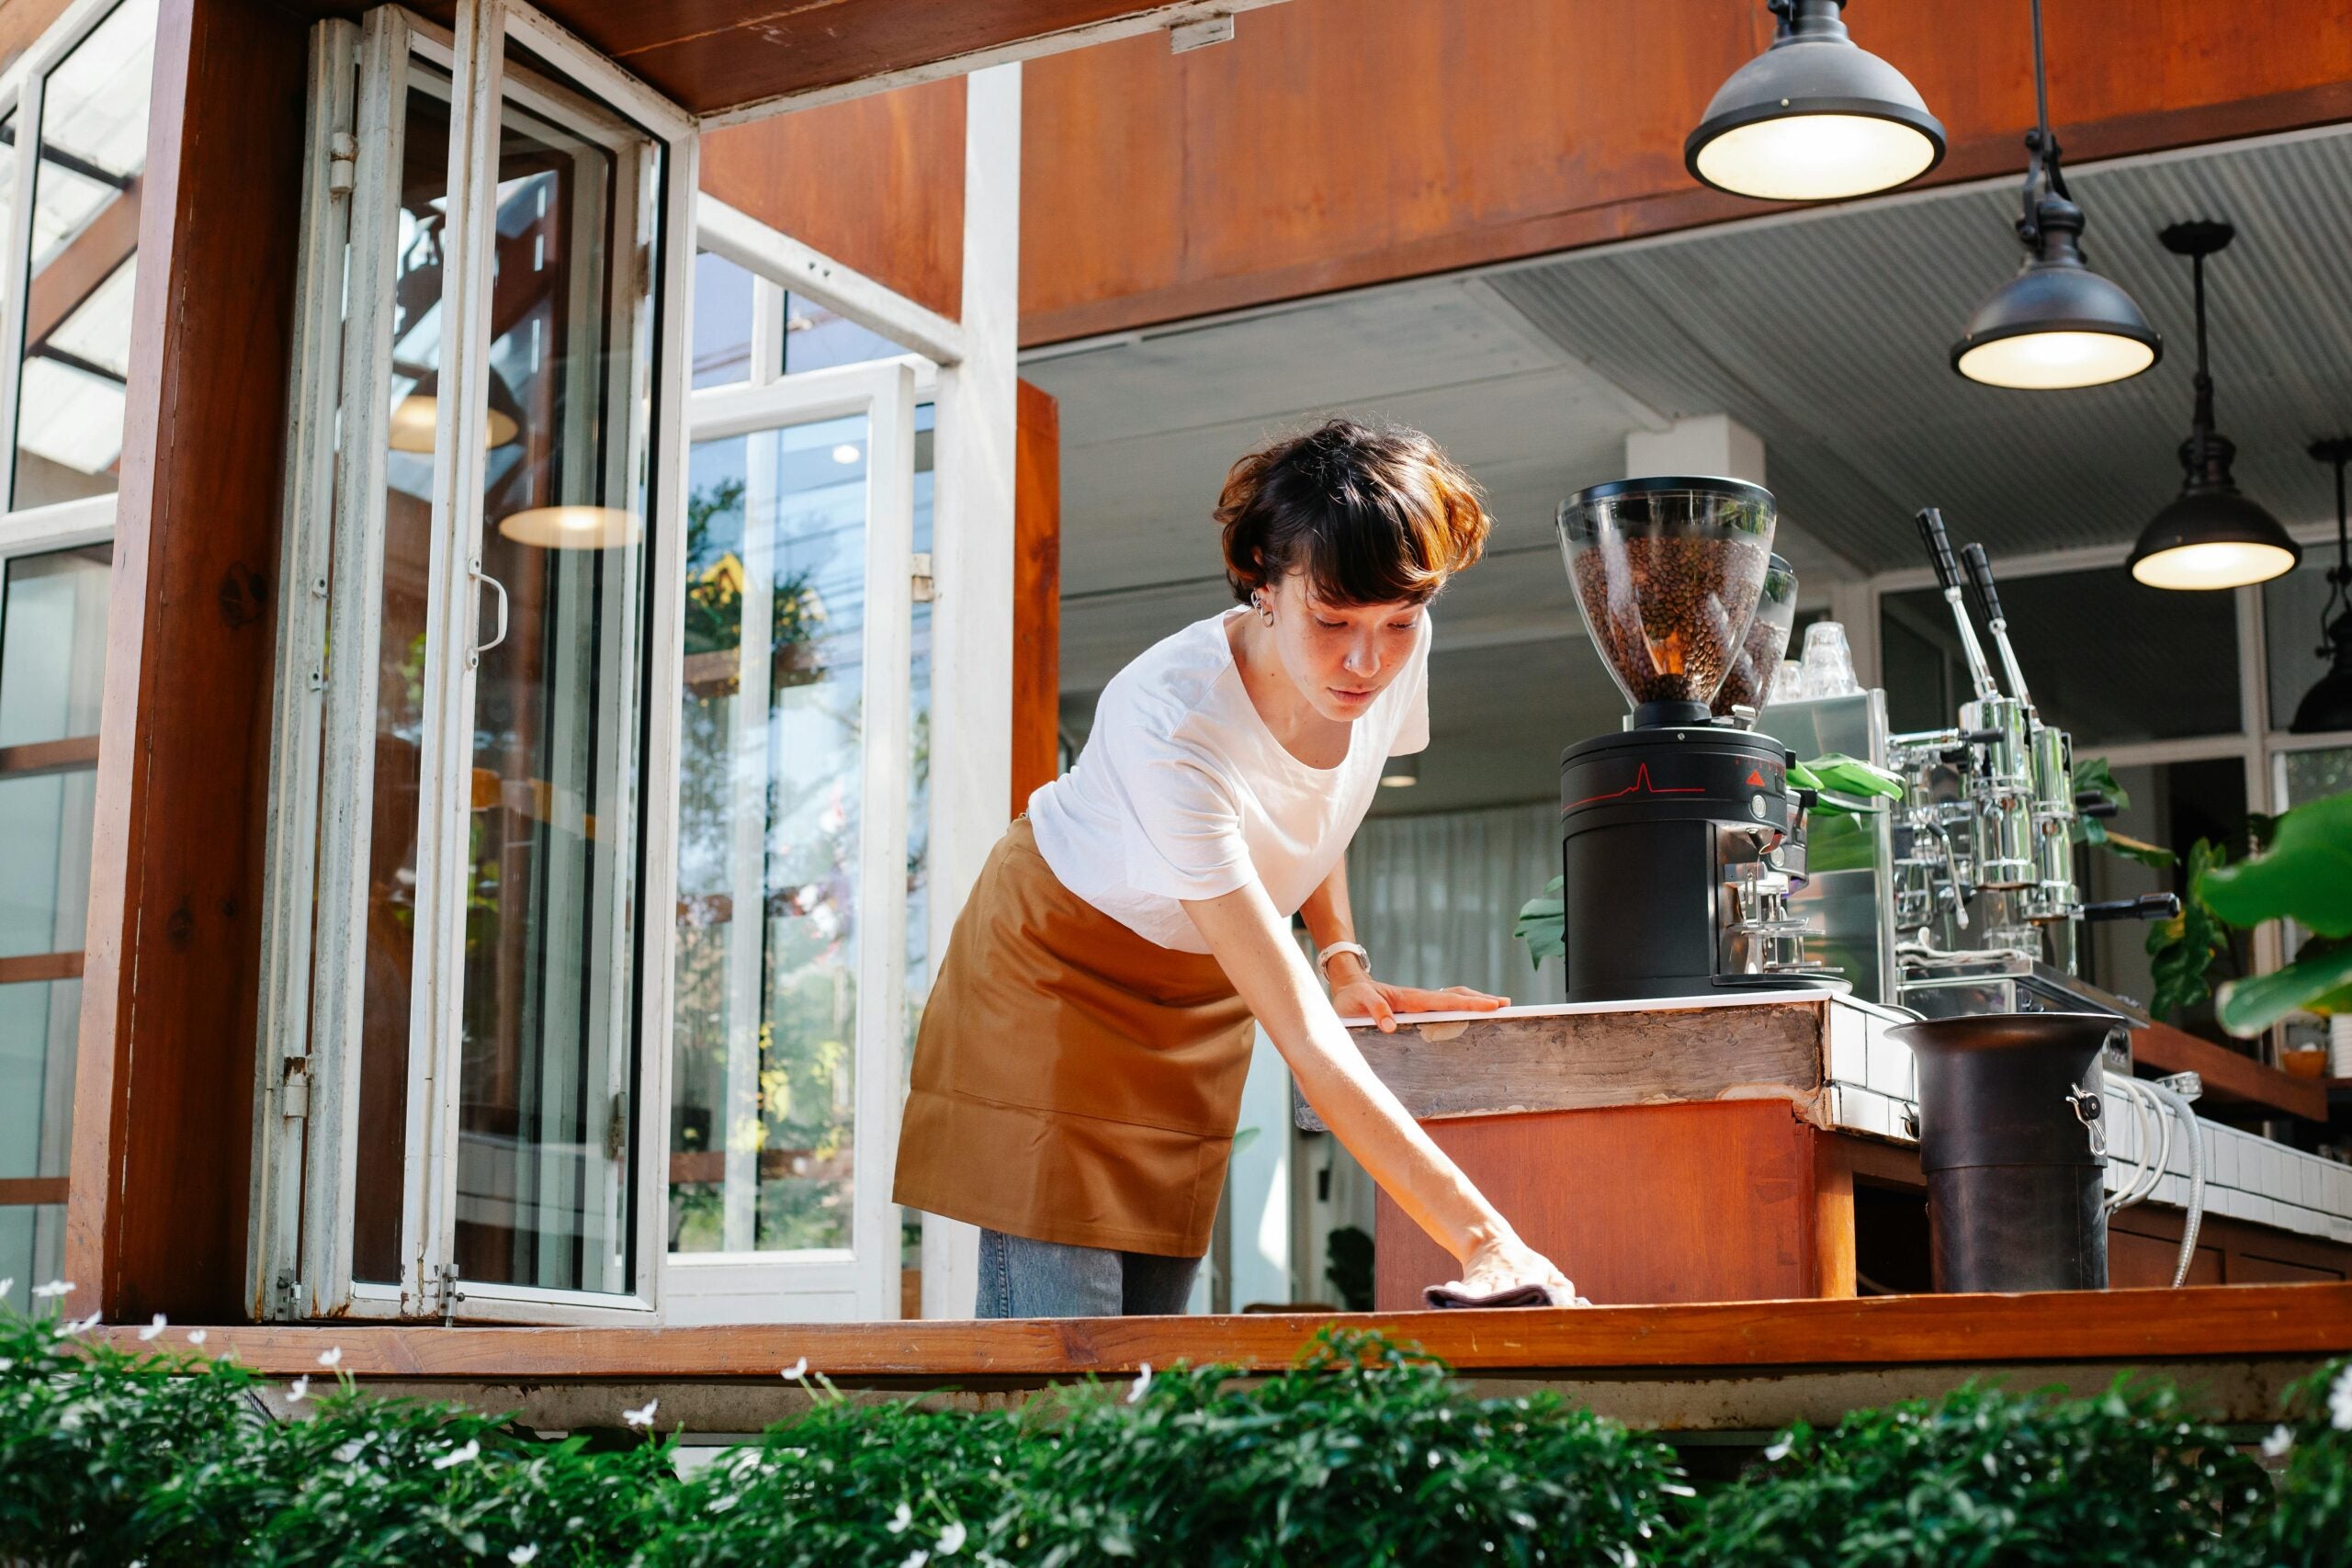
(2211, 536)
(1815, 118)
(2326, 708)
(2056, 323)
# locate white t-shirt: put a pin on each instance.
(1181, 790)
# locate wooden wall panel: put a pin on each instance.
(1638, 1204)
(1341, 143)
(164, 1099)
(1036, 592)
(877, 184)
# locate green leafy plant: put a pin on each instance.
(2181, 951)
(2303, 874)
(2094, 774)
(1543, 924)
(2311, 1525)
(1982, 1476)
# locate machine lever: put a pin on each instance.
(1931, 530)
(1980, 577)
(2095, 805)
(2148, 906)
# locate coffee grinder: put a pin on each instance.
(1669, 827)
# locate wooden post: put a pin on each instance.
(155, 1220)
(1036, 592)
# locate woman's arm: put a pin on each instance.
(1353, 990)
(1247, 937)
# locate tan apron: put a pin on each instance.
(1073, 1082)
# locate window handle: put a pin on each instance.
(474, 570)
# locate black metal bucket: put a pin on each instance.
(2012, 1145)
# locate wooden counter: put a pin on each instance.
(1710, 1151)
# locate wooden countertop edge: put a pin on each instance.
(2208, 1322)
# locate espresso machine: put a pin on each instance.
(1680, 839)
(1986, 910)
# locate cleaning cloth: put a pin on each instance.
(1440, 1296)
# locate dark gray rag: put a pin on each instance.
(1440, 1296)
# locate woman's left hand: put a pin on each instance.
(1365, 997)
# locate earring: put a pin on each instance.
(1265, 611)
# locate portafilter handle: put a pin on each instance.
(2148, 906)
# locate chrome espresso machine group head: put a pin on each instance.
(1681, 836)
(1984, 849)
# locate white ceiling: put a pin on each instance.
(1826, 331)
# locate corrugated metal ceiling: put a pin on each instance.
(1830, 336)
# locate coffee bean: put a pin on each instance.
(1748, 682)
(1663, 609)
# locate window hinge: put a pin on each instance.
(925, 588)
(290, 1289)
(294, 1089)
(342, 162)
(447, 1294)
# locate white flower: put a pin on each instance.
(1779, 1450)
(901, 1520)
(521, 1554)
(54, 1288)
(2339, 1402)
(472, 1451)
(7, 1285)
(951, 1540)
(152, 1329)
(196, 1336)
(916, 1559)
(82, 1325)
(1143, 1382)
(330, 1358)
(640, 1417)
(797, 1371)
(2279, 1442)
(298, 1390)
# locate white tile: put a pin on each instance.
(2222, 1147)
(2228, 1200)
(1849, 1061)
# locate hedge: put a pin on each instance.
(1364, 1453)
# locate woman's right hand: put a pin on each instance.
(1507, 1263)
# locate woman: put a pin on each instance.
(1079, 1072)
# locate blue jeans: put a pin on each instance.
(1020, 1277)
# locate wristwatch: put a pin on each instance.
(1323, 959)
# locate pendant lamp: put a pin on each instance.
(1815, 118)
(2328, 707)
(2212, 536)
(417, 418)
(2056, 323)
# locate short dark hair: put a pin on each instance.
(1371, 515)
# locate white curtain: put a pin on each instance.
(1435, 898)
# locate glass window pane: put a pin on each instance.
(380, 1157)
(762, 1119)
(52, 662)
(2173, 804)
(2108, 659)
(816, 339)
(2314, 775)
(32, 1251)
(723, 294)
(548, 1070)
(84, 261)
(2294, 632)
(39, 1021)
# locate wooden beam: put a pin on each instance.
(1036, 592)
(34, 967)
(38, 757)
(2198, 1322)
(17, 1189)
(162, 1143)
(72, 274)
(2230, 1078)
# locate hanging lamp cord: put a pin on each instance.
(2200, 427)
(2339, 581)
(2044, 170)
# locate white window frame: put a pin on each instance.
(860, 1282)
(299, 1270)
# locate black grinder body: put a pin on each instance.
(1643, 814)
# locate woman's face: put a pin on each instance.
(1340, 656)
